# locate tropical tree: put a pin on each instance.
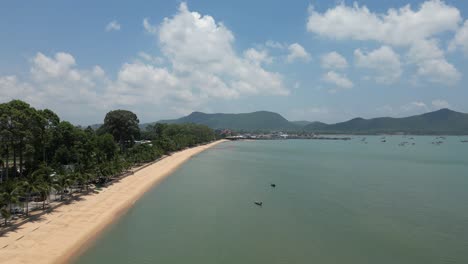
(62, 182)
(123, 126)
(33, 184)
(10, 193)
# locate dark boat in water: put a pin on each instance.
(258, 203)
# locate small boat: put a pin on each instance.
(273, 185)
(258, 203)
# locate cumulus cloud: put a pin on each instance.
(199, 64)
(258, 56)
(113, 26)
(11, 88)
(402, 26)
(384, 61)
(333, 60)
(461, 39)
(297, 52)
(439, 71)
(338, 80)
(197, 46)
(414, 28)
(148, 58)
(431, 63)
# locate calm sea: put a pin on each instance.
(335, 202)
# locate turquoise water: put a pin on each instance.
(335, 202)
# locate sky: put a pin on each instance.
(307, 60)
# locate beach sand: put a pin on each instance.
(64, 233)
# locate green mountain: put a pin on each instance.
(443, 121)
(256, 121)
(302, 123)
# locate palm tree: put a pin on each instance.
(9, 195)
(61, 183)
(5, 214)
(33, 184)
(44, 175)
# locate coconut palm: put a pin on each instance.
(62, 182)
(44, 175)
(33, 184)
(5, 214)
(9, 194)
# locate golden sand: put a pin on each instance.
(58, 236)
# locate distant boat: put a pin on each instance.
(273, 185)
(258, 203)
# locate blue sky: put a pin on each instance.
(307, 60)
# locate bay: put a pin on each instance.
(335, 202)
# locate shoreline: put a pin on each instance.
(63, 234)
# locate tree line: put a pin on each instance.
(41, 154)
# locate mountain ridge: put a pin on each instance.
(443, 121)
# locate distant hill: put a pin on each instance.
(444, 121)
(301, 123)
(256, 121)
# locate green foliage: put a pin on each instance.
(123, 126)
(40, 154)
(173, 137)
(443, 121)
(250, 122)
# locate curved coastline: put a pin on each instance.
(61, 235)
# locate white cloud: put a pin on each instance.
(402, 26)
(431, 63)
(461, 39)
(150, 59)
(11, 88)
(340, 81)
(113, 26)
(201, 65)
(258, 56)
(424, 50)
(439, 71)
(439, 104)
(416, 29)
(333, 60)
(297, 52)
(197, 46)
(275, 44)
(384, 61)
(148, 27)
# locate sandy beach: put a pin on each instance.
(59, 236)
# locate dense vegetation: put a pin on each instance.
(41, 154)
(256, 121)
(443, 121)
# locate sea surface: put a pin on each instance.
(349, 202)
